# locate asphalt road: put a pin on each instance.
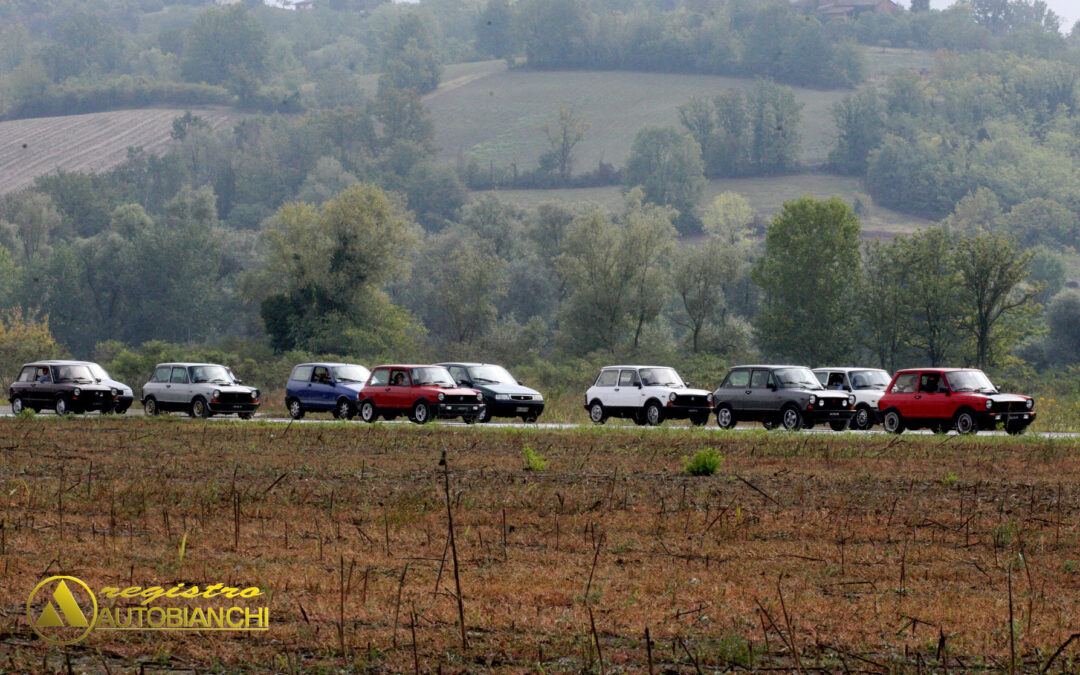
(318, 418)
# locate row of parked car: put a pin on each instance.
(792, 397)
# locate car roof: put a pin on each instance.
(763, 365)
(404, 366)
(463, 364)
(329, 364)
(932, 369)
(848, 369)
(186, 364)
(59, 362)
(637, 366)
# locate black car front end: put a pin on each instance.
(86, 398)
(226, 402)
(822, 409)
(459, 405)
(1013, 415)
(528, 406)
(688, 406)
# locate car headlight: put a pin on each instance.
(216, 394)
(113, 391)
(504, 397)
(671, 397)
(851, 400)
(538, 397)
(1030, 403)
(813, 399)
(76, 391)
(989, 404)
(442, 396)
(709, 398)
(254, 393)
(479, 396)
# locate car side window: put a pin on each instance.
(179, 375)
(43, 374)
(836, 381)
(379, 377)
(738, 379)
(301, 374)
(399, 378)
(905, 384)
(161, 374)
(760, 379)
(823, 378)
(459, 374)
(930, 383)
(628, 378)
(321, 375)
(608, 378)
(27, 374)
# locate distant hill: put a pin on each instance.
(95, 141)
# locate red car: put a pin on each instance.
(421, 392)
(951, 398)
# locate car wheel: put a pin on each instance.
(344, 409)
(150, 407)
(296, 411)
(199, 408)
(468, 419)
(792, 419)
(368, 412)
(965, 422)
(654, 414)
(725, 417)
(245, 415)
(940, 428)
(16, 405)
(699, 420)
(421, 413)
(893, 422)
(769, 424)
(485, 416)
(120, 411)
(596, 413)
(837, 426)
(1015, 429)
(61, 406)
(863, 419)
(528, 419)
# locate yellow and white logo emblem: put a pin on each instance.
(58, 610)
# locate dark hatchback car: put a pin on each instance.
(325, 387)
(788, 396)
(504, 396)
(64, 386)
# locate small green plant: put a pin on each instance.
(704, 463)
(26, 413)
(533, 461)
(950, 479)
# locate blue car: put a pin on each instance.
(503, 395)
(325, 387)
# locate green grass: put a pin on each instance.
(766, 196)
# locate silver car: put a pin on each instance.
(199, 389)
(867, 384)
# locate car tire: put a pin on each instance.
(965, 422)
(485, 416)
(654, 414)
(121, 411)
(725, 417)
(296, 409)
(60, 406)
(528, 419)
(245, 415)
(700, 420)
(838, 426)
(468, 419)
(791, 418)
(940, 428)
(893, 421)
(421, 413)
(343, 409)
(769, 424)
(150, 407)
(368, 413)
(17, 405)
(863, 418)
(597, 413)
(1015, 429)
(199, 408)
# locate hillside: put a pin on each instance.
(96, 141)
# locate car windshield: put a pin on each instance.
(869, 379)
(490, 375)
(214, 374)
(73, 374)
(435, 375)
(660, 377)
(796, 378)
(970, 380)
(351, 373)
(98, 372)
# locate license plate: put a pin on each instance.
(238, 407)
(523, 409)
(834, 414)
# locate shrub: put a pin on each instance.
(704, 463)
(533, 461)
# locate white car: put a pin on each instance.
(647, 395)
(867, 384)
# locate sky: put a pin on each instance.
(1068, 10)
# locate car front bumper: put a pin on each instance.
(223, 408)
(449, 410)
(825, 416)
(988, 420)
(674, 411)
(514, 408)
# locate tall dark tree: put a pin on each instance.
(226, 46)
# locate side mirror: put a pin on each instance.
(847, 388)
(639, 385)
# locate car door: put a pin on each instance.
(759, 400)
(30, 386)
(628, 394)
(931, 401)
(903, 392)
(300, 384)
(321, 391)
(736, 389)
(177, 388)
(399, 391)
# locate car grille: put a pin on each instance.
(459, 398)
(824, 403)
(521, 397)
(691, 400)
(234, 397)
(1011, 407)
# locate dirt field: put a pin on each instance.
(803, 552)
(96, 141)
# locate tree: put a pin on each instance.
(23, 337)
(860, 123)
(728, 218)
(667, 166)
(992, 271)
(494, 30)
(410, 59)
(1063, 321)
(699, 276)
(598, 276)
(564, 132)
(809, 275)
(775, 118)
(435, 194)
(930, 299)
(553, 32)
(881, 303)
(225, 46)
(648, 240)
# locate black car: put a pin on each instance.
(788, 396)
(503, 395)
(64, 386)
